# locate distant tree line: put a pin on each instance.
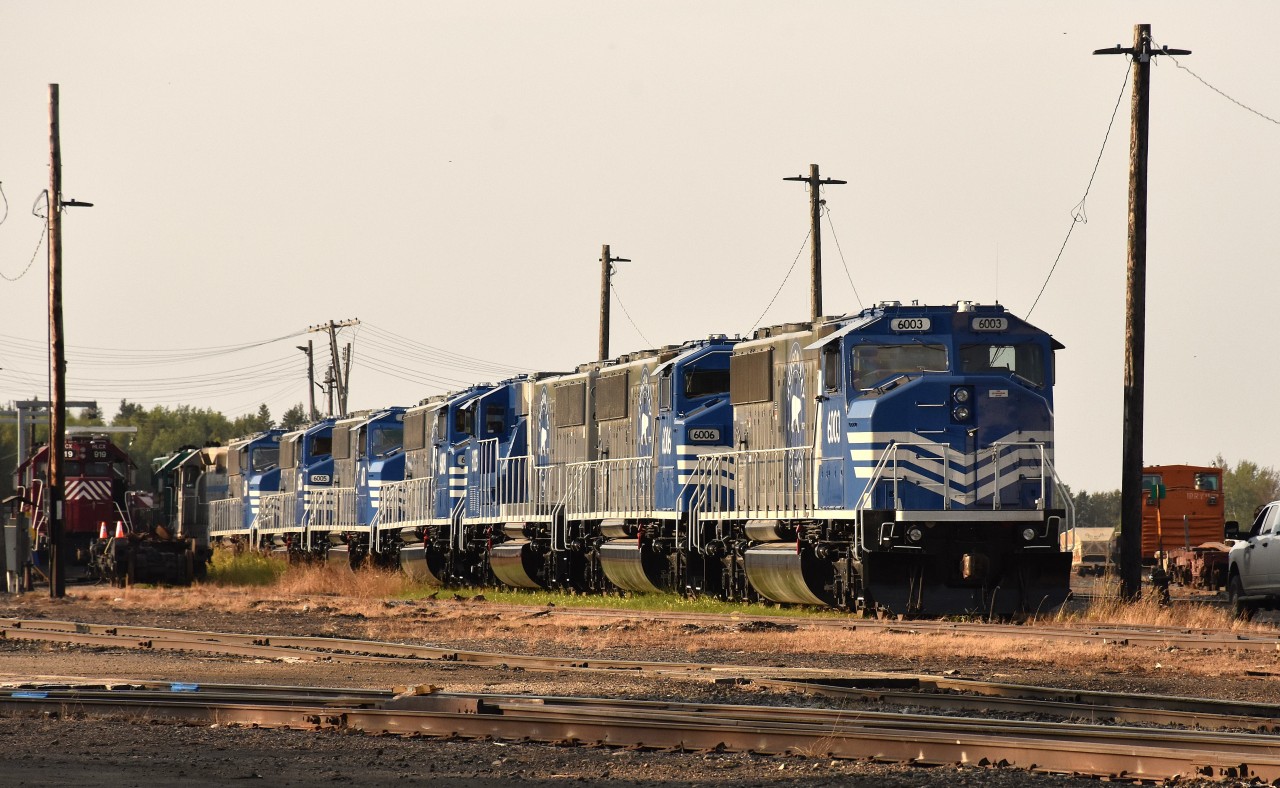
(161, 430)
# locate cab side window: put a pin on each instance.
(1271, 518)
(1256, 528)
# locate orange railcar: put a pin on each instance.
(1190, 513)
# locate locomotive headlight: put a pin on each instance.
(961, 396)
(961, 413)
(1028, 534)
(914, 533)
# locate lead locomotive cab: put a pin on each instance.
(898, 460)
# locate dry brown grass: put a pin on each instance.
(1108, 608)
(368, 583)
(335, 599)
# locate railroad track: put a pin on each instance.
(1085, 634)
(938, 692)
(1104, 751)
(1202, 733)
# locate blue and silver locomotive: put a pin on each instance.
(898, 460)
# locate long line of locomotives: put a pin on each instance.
(897, 460)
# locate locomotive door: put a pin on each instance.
(831, 430)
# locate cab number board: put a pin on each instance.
(910, 324)
(990, 324)
(704, 435)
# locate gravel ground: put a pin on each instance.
(123, 752)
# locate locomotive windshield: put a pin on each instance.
(265, 458)
(705, 382)
(321, 446)
(386, 439)
(1025, 361)
(874, 364)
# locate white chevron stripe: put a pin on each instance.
(88, 490)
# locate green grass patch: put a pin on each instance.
(663, 603)
(248, 568)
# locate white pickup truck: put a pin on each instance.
(1253, 576)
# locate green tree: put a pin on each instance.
(249, 424)
(1097, 510)
(160, 431)
(1246, 487)
(294, 418)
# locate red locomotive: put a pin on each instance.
(108, 525)
(97, 481)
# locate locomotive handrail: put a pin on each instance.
(998, 448)
(560, 526)
(484, 496)
(542, 487)
(997, 452)
(890, 457)
(278, 513)
(1068, 505)
(622, 486)
(226, 516)
(335, 509)
(709, 478)
(455, 521)
(510, 487)
(374, 523)
(697, 501)
(759, 482)
(123, 514)
(407, 502)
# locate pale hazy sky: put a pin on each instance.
(259, 167)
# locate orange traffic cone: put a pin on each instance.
(102, 530)
(120, 529)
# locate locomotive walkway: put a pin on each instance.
(1091, 733)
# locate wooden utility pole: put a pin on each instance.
(1135, 330)
(336, 378)
(57, 368)
(346, 376)
(815, 231)
(309, 349)
(606, 280)
(328, 388)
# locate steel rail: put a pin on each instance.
(904, 689)
(207, 689)
(1124, 709)
(179, 643)
(1085, 633)
(1080, 749)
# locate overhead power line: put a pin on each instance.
(628, 314)
(784, 282)
(1078, 214)
(1238, 103)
